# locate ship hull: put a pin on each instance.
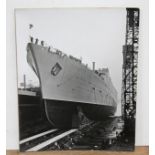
(62, 78)
(62, 114)
(66, 83)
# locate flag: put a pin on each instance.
(30, 26)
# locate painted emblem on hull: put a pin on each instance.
(56, 69)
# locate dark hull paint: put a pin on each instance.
(97, 112)
(61, 114)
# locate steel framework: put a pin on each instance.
(130, 61)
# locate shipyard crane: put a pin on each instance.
(129, 71)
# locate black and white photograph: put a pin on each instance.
(77, 78)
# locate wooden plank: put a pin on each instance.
(139, 150)
(37, 136)
(52, 140)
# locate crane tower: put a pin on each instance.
(129, 72)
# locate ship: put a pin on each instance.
(67, 83)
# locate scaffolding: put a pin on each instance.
(129, 74)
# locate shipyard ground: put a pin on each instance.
(36, 133)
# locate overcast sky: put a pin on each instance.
(93, 34)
